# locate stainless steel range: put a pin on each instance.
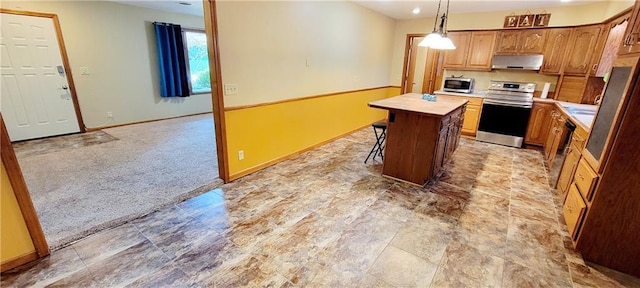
(505, 113)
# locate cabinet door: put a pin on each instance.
(613, 42)
(552, 134)
(508, 42)
(471, 116)
(539, 121)
(457, 58)
(573, 210)
(440, 150)
(631, 39)
(571, 89)
(560, 134)
(532, 41)
(581, 50)
(481, 50)
(555, 49)
(568, 169)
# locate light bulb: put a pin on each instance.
(430, 39)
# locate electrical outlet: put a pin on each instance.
(241, 155)
(230, 89)
(110, 115)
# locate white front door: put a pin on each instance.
(36, 99)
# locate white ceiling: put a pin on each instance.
(168, 5)
(397, 9)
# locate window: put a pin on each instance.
(197, 61)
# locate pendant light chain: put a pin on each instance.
(435, 23)
(446, 23)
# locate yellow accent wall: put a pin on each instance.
(15, 240)
(271, 132)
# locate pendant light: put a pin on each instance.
(434, 36)
(438, 39)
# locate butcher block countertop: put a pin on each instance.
(413, 102)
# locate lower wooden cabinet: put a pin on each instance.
(539, 122)
(556, 134)
(573, 209)
(585, 179)
(568, 169)
(471, 116)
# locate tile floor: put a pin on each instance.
(325, 219)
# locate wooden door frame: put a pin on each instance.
(23, 198)
(406, 64)
(63, 54)
(217, 95)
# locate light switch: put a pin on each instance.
(230, 89)
(84, 70)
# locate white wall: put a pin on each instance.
(264, 47)
(117, 43)
(560, 16)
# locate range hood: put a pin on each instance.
(517, 62)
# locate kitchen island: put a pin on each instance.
(421, 135)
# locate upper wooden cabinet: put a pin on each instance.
(555, 50)
(582, 48)
(481, 50)
(474, 50)
(615, 35)
(508, 42)
(631, 39)
(521, 42)
(457, 58)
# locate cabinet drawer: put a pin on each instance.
(578, 139)
(573, 210)
(585, 179)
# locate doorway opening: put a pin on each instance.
(422, 68)
(81, 183)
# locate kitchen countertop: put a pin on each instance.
(413, 102)
(475, 93)
(579, 114)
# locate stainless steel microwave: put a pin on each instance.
(460, 85)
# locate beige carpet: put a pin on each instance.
(88, 186)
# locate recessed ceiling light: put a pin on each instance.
(185, 3)
(416, 10)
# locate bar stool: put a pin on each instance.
(379, 145)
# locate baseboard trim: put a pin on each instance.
(259, 167)
(19, 260)
(145, 121)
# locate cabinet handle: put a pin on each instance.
(581, 177)
(633, 37)
(595, 67)
(626, 40)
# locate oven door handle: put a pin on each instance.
(503, 103)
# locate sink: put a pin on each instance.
(580, 111)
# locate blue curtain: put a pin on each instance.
(171, 60)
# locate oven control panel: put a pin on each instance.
(512, 86)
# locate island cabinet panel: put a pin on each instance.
(555, 50)
(581, 50)
(421, 136)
